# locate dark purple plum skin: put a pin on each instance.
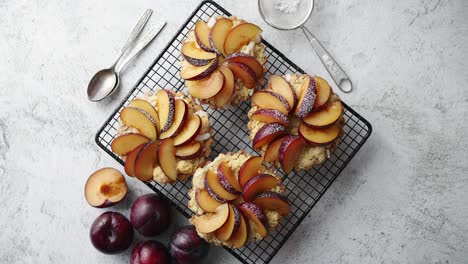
(111, 233)
(309, 99)
(187, 247)
(150, 215)
(224, 182)
(150, 252)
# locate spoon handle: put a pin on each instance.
(120, 64)
(137, 29)
(338, 75)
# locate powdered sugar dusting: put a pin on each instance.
(287, 6)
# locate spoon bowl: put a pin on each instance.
(103, 83)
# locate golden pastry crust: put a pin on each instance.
(185, 168)
(235, 161)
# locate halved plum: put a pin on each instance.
(306, 97)
(239, 36)
(228, 89)
(188, 151)
(181, 111)
(280, 86)
(256, 216)
(231, 225)
(207, 87)
(267, 134)
(272, 151)
(270, 100)
(148, 108)
(205, 201)
(251, 168)
(258, 184)
(202, 35)
(215, 186)
(211, 222)
(166, 107)
(105, 188)
(191, 73)
(139, 119)
(248, 60)
(218, 34)
(319, 136)
(146, 160)
(227, 178)
(270, 116)
(167, 159)
(123, 144)
(323, 93)
(130, 161)
(273, 201)
(244, 73)
(325, 117)
(240, 237)
(195, 56)
(189, 132)
(289, 152)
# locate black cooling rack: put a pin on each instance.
(230, 134)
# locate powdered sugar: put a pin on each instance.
(287, 6)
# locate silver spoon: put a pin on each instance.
(295, 17)
(106, 81)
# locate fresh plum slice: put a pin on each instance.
(105, 188)
(231, 225)
(189, 132)
(148, 108)
(166, 107)
(244, 73)
(323, 93)
(202, 34)
(273, 201)
(215, 186)
(111, 233)
(191, 73)
(280, 86)
(180, 116)
(270, 100)
(227, 178)
(130, 161)
(258, 184)
(207, 87)
(212, 193)
(289, 152)
(240, 237)
(188, 151)
(270, 116)
(267, 134)
(256, 216)
(211, 222)
(205, 201)
(325, 117)
(139, 119)
(306, 97)
(239, 36)
(218, 34)
(195, 56)
(251, 168)
(319, 136)
(272, 151)
(146, 160)
(167, 158)
(226, 93)
(150, 215)
(125, 143)
(248, 60)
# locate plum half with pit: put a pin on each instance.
(186, 246)
(150, 215)
(111, 233)
(150, 252)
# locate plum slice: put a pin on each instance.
(272, 151)
(105, 188)
(272, 201)
(289, 152)
(190, 130)
(148, 108)
(207, 87)
(325, 117)
(323, 93)
(211, 222)
(228, 88)
(139, 119)
(146, 160)
(239, 36)
(231, 225)
(267, 134)
(218, 35)
(205, 201)
(244, 73)
(256, 216)
(166, 106)
(258, 184)
(251, 167)
(167, 158)
(306, 97)
(248, 60)
(216, 187)
(270, 100)
(280, 86)
(227, 178)
(188, 151)
(130, 161)
(125, 143)
(319, 136)
(270, 116)
(202, 35)
(195, 56)
(239, 238)
(180, 116)
(192, 73)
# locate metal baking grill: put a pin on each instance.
(230, 135)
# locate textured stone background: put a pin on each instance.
(403, 199)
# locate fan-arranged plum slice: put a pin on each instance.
(289, 152)
(190, 130)
(319, 136)
(248, 60)
(205, 201)
(192, 73)
(166, 107)
(146, 160)
(231, 225)
(202, 35)
(239, 36)
(323, 93)
(256, 216)
(211, 222)
(251, 168)
(215, 186)
(139, 119)
(325, 117)
(258, 184)
(212, 193)
(244, 73)
(306, 97)
(272, 151)
(207, 87)
(195, 56)
(181, 111)
(167, 159)
(218, 34)
(272, 201)
(267, 134)
(280, 86)
(240, 237)
(188, 151)
(270, 116)
(270, 100)
(227, 178)
(130, 160)
(148, 108)
(226, 93)
(125, 143)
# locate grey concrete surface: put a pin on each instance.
(402, 199)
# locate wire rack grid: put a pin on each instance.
(230, 135)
